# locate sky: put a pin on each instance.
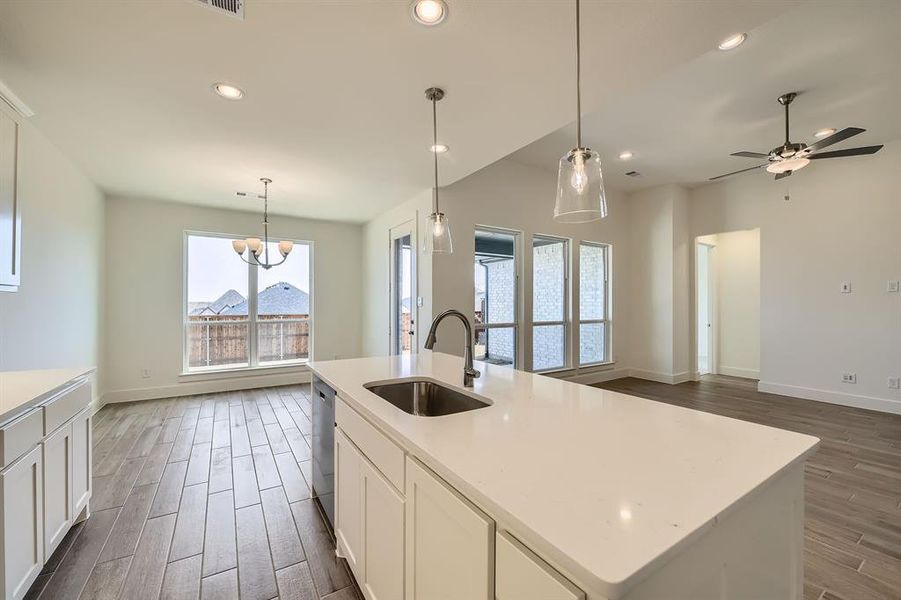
(214, 268)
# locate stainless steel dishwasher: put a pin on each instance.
(323, 400)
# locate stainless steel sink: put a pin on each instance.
(425, 398)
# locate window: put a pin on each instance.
(594, 305)
(237, 315)
(549, 302)
(496, 296)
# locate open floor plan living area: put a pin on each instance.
(450, 300)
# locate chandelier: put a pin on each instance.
(259, 249)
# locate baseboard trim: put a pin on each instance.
(671, 378)
(190, 388)
(867, 402)
(739, 372)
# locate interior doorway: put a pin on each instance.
(705, 313)
(402, 288)
(727, 304)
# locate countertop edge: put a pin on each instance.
(14, 413)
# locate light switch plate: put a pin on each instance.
(846, 287)
(892, 287)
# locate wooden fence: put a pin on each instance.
(223, 340)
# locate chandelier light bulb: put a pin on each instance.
(285, 247)
(239, 246)
(579, 179)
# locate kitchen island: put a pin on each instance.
(559, 490)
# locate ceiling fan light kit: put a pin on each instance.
(793, 156)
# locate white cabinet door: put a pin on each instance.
(521, 575)
(23, 524)
(81, 460)
(450, 542)
(57, 486)
(383, 537)
(10, 211)
(349, 502)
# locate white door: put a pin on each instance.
(704, 268)
(349, 502)
(383, 526)
(450, 542)
(402, 289)
(81, 460)
(57, 450)
(23, 523)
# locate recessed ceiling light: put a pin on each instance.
(228, 92)
(440, 148)
(824, 132)
(428, 12)
(626, 155)
(733, 41)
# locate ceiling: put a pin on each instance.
(843, 57)
(334, 110)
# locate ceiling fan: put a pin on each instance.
(789, 157)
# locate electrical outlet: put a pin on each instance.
(849, 377)
(892, 286)
(846, 287)
(145, 373)
(894, 383)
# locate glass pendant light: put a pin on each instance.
(580, 183)
(438, 236)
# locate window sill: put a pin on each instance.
(238, 372)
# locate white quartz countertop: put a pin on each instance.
(20, 390)
(605, 485)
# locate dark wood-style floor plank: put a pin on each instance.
(219, 551)
(148, 567)
(296, 583)
(222, 586)
(127, 531)
(182, 580)
(190, 524)
(256, 577)
(283, 538)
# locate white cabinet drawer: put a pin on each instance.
(66, 405)
(381, 451)
(19, 436)
(521, 575)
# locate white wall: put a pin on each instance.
(53, 320)
(510, 195)
(144, 284)
(659, 291)
(841, 224)
(738, 303)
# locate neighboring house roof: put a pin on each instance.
(220, 304)
(279, 299)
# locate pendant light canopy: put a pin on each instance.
(438, 236)
(580, 183)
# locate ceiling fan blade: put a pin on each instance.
(849, 152)
(782, 175)
(749, 154)
(835, 138)
(737, 172)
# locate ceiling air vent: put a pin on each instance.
(234, 8)
(633, 174)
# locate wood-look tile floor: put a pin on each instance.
(853, 481)
(201, 497)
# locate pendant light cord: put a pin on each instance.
(434, 148)
(578, 78)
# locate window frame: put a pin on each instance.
(607, 319)
(253, 362)
(567, 308)
(517, 292)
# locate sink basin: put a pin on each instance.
(425, 398)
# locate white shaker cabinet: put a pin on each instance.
(57, 457)
(369, 523)
(521, 575)
(383, 527)
(23, 523)
(450, 542)
(10, 211)
(349, 502)
(82, 445)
